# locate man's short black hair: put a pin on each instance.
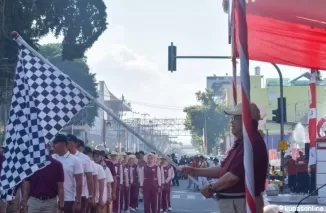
(141, 153)
(60, 138)
(88, 150)
(96, 152)
(72, 138)
(80, 143)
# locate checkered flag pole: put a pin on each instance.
(44, 100)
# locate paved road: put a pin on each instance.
(187, 201)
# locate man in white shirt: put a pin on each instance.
(87, 192)
(101, 196)
(73, 174)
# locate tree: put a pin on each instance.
(79, 22)
(78, 71)
(210, 111)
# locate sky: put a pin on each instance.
(131, 55)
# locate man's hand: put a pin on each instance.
(77, 207)
(91, 201)
(205, 191)
(101, 203)
(109, 201)
(23, 208)
(113, 196)
(188, 170)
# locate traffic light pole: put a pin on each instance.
(205, 57)
(281, 124)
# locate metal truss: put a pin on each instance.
(172, 127)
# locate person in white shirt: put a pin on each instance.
(105, 178)
(73, 174)
(87, 193)
(89, 152)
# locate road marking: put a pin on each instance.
(175, 196)
(191, 197)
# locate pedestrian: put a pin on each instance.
(98, 157)
(87, 196)
(126, 183)
(100, 197)
(116, 206)
(44, 189)
(134, 183)
(110, 166)
(150, 180)
(160, 166)
(230, 187)
(166, 185)
(92, 206)
(141, 163)
(302, 173)
(175, 180)
(73, 174)
(290, 166)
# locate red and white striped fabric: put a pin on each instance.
(312, 118)
(319, 125)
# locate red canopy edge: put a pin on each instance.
(280, 35)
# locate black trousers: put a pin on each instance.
(292, 182)
(302, 182)
(175, 180)
(312, 182)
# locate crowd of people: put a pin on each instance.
(301, 178)
(80, 179)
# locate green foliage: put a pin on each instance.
(79, 22)
(217, 122)
(78, 71)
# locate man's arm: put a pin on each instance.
(226, 181)
(61, 194)
(211, 172)
(94, 184)
(89, 177)
(25, 191)
(101, 186)
(60, 181)
(79, 187)
(78, 172)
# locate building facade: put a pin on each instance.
(106, 130)
(264, 92)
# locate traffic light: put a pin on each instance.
(284, 108)
(276, 116)
(277, 112)
(172, 60)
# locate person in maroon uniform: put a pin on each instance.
(110, 165)
(166, 186)
(134, 183)
(141, 160)
(150, 180)
(141, 163)
(126, 183)
(160, 166)
(116, 208)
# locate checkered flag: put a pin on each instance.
(44, 100)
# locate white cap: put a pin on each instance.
(237, 110)
(113, 153)
(123, 154)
